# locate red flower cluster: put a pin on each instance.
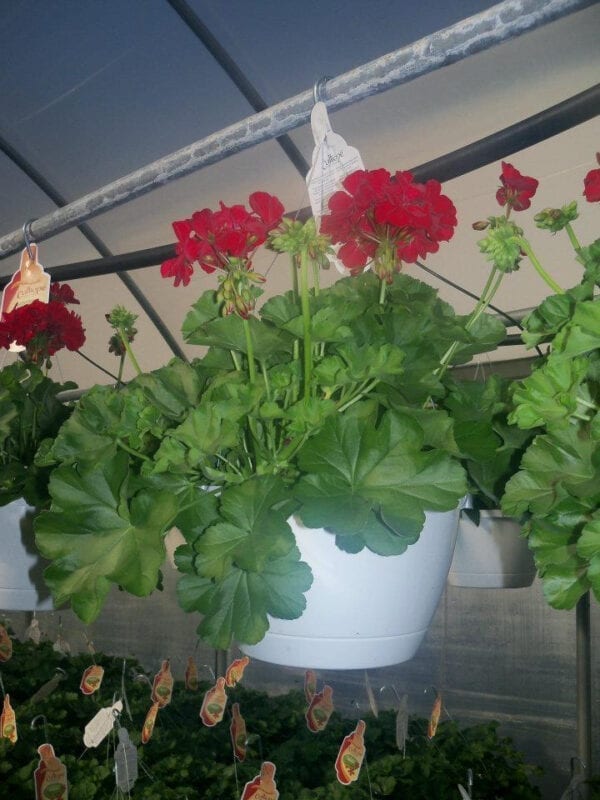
(387, 218)
(516, 190)
(215, 239)
(44, 328)
(591, 184)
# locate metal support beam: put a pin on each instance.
(584, 691)
(503, 21)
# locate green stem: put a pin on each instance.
(133, 452)
(263, 369)
(526, 247)
(127, 347)
(366, 388)
(572, 237)
(294, 267)
(250, 351)
(382, 291)
(120, 372)
(306, 323)
(587, 404)
(316, 277)
(236, 360)
(489, 290)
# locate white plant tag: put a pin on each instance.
(332, 161)
(101, 725)
(402, 724)
(126, 762)
(463, 792)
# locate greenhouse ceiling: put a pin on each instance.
(91, 91)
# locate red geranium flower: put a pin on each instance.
(62, 293)
(222, 239)
(390, 219)
(42, 329)
(516, 190)
(591, 184)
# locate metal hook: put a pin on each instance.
(210, 669)
(45, 723)
(28, 238)
(393, 689)
(319, 89)
(252, 738)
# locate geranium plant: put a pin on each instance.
(327, 402)
(558, 485)
(30, 409)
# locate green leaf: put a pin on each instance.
(96, 535)
(375, 483)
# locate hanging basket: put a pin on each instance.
(491, 555)
(362, 610)
(22, 586)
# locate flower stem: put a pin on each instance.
(489, 290)
(382, 291)
(250, 351)
(132, 452)
(526, 247)
(236, 360)
(572, 237)
(306, 323)
(127, 347)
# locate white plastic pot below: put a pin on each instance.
(491, 555)
(363, 610)
(22, 586)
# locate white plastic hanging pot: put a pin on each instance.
(362, 610)
(22, 586)
(491, 555)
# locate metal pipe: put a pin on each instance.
(503, 21)
(584, 691)
(534, 129)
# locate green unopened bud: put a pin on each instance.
(555, 219)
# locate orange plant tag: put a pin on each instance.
(91, 679)
(191, 675)
(263, 787)
(213, 705)
(435, 717)
(235, 671)
(237, 729)
(162, 686)
(351, 755)
(310, 684)
(50, 777)
(6, 647)
(319, 710)
(149, 723)
(29, 283)
(8, 722)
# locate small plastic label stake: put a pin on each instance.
(191, 675)
(6, 646)
(91, 679)
(310, 685)
(162, 686)
(263, 787)
(434, 718)
(213, 704)
(238, 733)
(351, 755)
(50, 777)
(319, 710)
(8, 722)
(235, 671)
(149, 723)
(126, 762)
(101, 724)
